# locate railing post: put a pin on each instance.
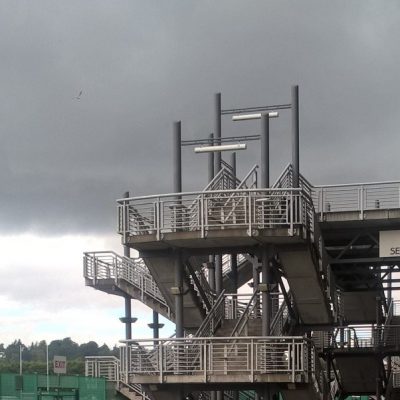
(94, 270)
(322, 204)
(293, 361)
(291, 213)
(157, 218)
(361, 201)
(115, 270)
(252, 361)
(126, 364)
(204, 345)
(160, 361)
(250, 214)
(202, 212)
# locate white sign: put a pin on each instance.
(60, 364)
(389, 244)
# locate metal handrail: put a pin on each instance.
(240, 208)
(241, 323)
(360, 197)
(100, 265)
(213, 318)
(250, 356)
(103, 366)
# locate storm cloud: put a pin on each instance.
(143, 64)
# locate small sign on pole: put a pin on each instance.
(60, 364)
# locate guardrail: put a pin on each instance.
(101, 265)
(103, 367)
(366, 337)
(210, 357)
(359, 197)
(220, 209)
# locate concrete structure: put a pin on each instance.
(320, 321)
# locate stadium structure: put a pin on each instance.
(318, 319)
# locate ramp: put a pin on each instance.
(306, 285)
(162, 271)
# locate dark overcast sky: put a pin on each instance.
(143, 64)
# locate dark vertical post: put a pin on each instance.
(218, 274)
(234, 265)
(178, 267)
(266, 298)
(378, 311)
(217, 130)
(378, 380)
(127, 249)
(177, 157)
(178, 294)
(155, 326)
(295, 135)
(211, 159)
(265, 150)
(233, 164)
(127, 320)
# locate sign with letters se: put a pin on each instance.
(60, 364)
(389, 244)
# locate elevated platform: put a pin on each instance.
(217, 360)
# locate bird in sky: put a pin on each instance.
(79, 95)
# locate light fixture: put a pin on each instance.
(245, 117)
(224, 147)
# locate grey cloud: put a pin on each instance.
(141, 65)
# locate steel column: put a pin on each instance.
(217, 130)
(264, 151)
(233, 163)
(266, 296)
(177, 150)
(127, 249)
(218, 274)
(211, 271)
(178, 294)
(127, 319)
(295, 136)
(211, 159)
(234, 272)
(155, 325)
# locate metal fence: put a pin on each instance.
(209, 357)
(204, 211)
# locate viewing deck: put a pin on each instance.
(217, 360)
(219, 218)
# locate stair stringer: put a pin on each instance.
(162, 270)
